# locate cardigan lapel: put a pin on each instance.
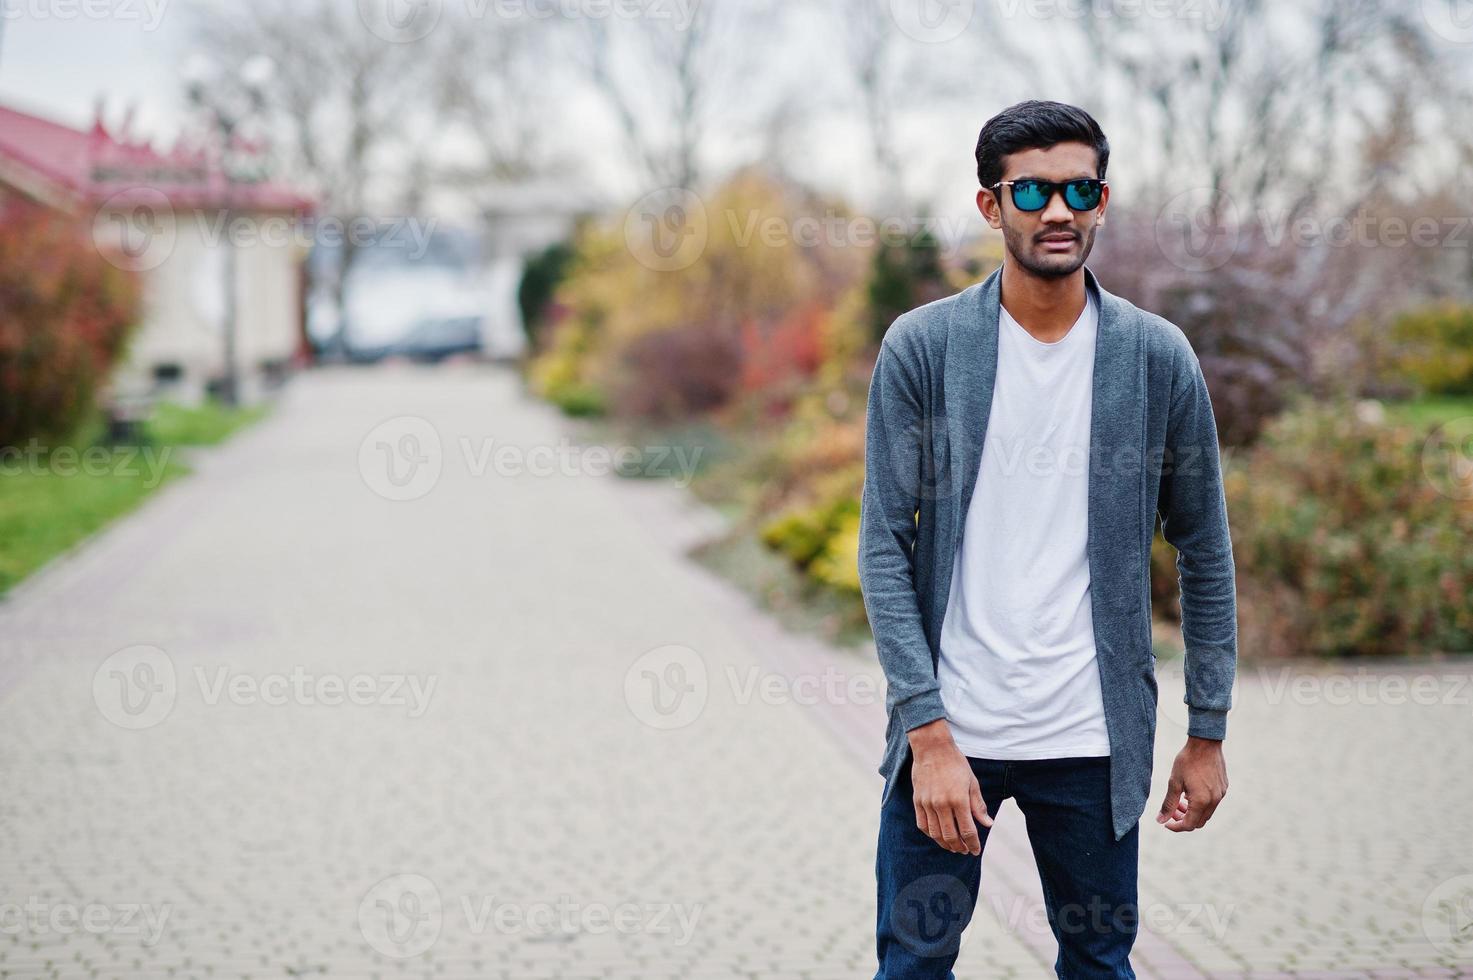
(1117, 427)
(1117, 471)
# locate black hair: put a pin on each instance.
(1036, 125)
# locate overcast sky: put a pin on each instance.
(56, 60)
(58, 56)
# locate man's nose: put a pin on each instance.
(1057, 212)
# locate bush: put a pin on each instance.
(821, 540)
(678, 373)
(543, 273)
(1351, 537)
(747, 309)
(904, 275)
(1434, 348)
(65, 313)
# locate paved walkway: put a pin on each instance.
(350, 703)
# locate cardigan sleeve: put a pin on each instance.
(894, 462)
(1194, 520)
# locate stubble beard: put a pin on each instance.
(1052, 266)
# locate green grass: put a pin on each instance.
(210, 423)
(1431, 411)
(51, 500)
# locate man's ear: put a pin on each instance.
(991, 209)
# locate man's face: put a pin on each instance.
(1054, 242)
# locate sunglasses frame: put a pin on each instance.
(1052, 187)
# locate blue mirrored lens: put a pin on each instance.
(1030, 195)
(1082, 195)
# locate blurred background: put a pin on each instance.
(511, 358)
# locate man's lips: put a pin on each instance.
(1058, 241)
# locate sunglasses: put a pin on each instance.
(1031, 194)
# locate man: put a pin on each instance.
(1022, 436)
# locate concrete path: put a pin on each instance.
(402, 683)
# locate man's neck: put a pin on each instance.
(1046, 308)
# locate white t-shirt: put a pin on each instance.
(1018, 672)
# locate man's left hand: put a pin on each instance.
(1198, 783)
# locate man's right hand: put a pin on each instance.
(947, 796)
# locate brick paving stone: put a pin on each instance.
(600, 733)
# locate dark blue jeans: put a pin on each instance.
(927, 894)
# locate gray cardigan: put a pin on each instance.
(1153, 450)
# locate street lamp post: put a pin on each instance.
(230, 100)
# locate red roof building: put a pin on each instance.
(210, 286)
(71, 168)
